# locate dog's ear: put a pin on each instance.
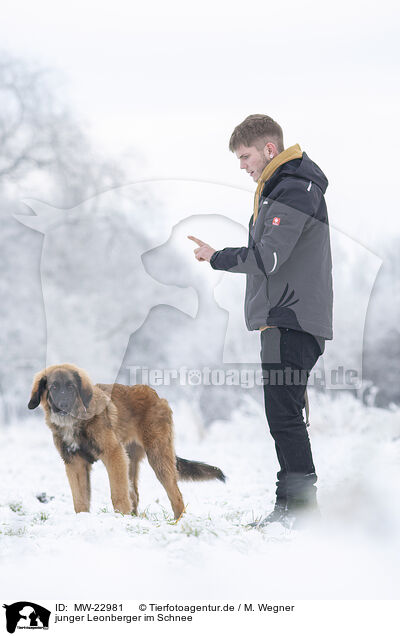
(39, 386)
(84, 388)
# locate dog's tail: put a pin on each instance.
(197, 471)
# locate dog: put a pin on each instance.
(119, 425)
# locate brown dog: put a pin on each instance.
(115, 423)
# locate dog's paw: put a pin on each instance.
(124, 507)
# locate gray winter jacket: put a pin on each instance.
(288, 257)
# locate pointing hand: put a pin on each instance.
(204, 251)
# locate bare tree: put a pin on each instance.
(42, 143)
(44, 154)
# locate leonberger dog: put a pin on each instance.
(119, 425)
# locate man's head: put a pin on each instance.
(256, 141)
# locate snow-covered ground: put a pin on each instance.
(49, 552)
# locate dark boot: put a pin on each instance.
(276, 515)
(301, 513)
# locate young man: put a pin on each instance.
(288, 295)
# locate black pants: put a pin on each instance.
(287, 357)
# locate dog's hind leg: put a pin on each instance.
(78, 473)
(162, 460)
(136, 454)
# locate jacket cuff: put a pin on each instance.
(213, 259)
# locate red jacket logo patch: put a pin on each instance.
(276, 221)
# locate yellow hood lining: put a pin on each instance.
(293, 152)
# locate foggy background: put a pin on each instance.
(101, 104)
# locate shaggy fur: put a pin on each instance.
(117, 424)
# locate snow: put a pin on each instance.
(47, 551)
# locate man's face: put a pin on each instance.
(252, 160)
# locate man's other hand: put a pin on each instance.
(204, 251)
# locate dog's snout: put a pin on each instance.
(63, 402)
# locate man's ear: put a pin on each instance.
(270, 150)
(39, 386)
(84, 388)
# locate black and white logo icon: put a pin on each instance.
(26, 615)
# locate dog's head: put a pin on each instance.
(64, 389)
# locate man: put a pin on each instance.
(288, 295)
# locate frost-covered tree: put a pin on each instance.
(43, 148)
(382, 334)
(44, 154)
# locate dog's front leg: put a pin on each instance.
(78, 473)
(115, 460)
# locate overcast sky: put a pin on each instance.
(170, 81)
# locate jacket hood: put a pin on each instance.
(305, 169)
(294, 152)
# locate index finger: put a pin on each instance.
(196, 240)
